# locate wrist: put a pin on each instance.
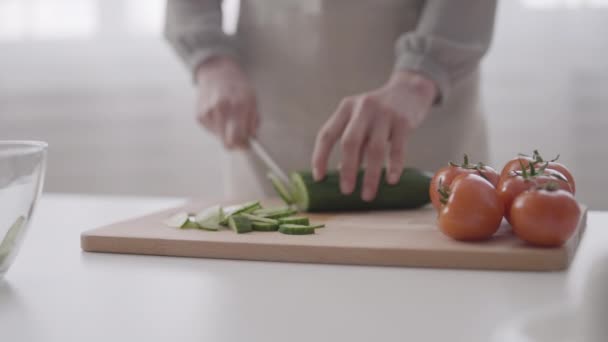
(216, 63)
(415, 82)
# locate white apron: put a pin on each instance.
(304, 56)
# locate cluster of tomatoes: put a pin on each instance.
(535, 196)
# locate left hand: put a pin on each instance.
(371, 124)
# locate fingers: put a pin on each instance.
(375, 151)
(353, 139)
(253, 122)
(241, 118)
(328, 136)
(234, 123)
(396, 157)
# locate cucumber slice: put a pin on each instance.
(190, 224)
(209, 219)
(296, 229)
(255, 218)
(294, 220)
(283, 213)
(264, 212)
(177, 220)
(240, 224)
(248, 207)
(211, 212)
(10, 239)
(281, 188)
(317, 226)
(264, 226)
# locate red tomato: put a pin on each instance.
(519, 181)
(446, 175)
(561, 168)
(473, 211)
(545, 217)
(515, 165)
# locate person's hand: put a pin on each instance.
(372, 125)
(226, 102)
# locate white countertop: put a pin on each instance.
(56, 293)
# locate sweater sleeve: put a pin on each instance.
(449, 41)
(194, 29)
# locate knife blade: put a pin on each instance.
(265, 157)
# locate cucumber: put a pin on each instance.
(240, 224)
(280, 188)
(294, 220)
(190, 224)
(411, 192)
(284, 213)
(264, 226)
(296, 229)
(177, 220)
(209, 219)
(264, 212)
(255, 218)
(248, 207)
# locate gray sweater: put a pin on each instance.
(450, 39)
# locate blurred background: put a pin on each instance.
(96, 80)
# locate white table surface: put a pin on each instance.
(56, 292)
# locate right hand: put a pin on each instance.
(226, 102)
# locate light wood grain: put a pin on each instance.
(385, 238)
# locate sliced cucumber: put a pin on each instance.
(264, 212)
(294, 220)
(281, 188)
(240, 224)
(283, 213)
(248, 207)
(190, 224)
(244, 218)
(177, 220)
(209, 219)
(296, 229)
(264, 226)
(255, 218)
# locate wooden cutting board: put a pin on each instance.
(383, 238)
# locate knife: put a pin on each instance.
(265, 157)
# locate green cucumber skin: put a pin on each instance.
(264, 227)
(282, 214)
(245, 208)
(295, 220)
(294, 229)
(255, 218)
(240, 224)
(411, 192)
(264, 212)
